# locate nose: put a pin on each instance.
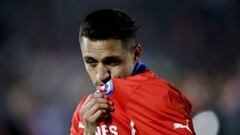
(103, 75)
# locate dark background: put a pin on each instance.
(194, 44)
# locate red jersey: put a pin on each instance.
(144, 105)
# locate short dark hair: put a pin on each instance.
(108, 24)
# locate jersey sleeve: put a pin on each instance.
(76, 120)
(179, 109)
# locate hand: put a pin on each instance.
(94, 108)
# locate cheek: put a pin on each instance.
(91, 72)
(121, 71)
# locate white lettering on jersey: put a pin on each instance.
(98, 131)
(105, 130)
(133, 130)
(179, 125)
(113, 130)
(80, 125)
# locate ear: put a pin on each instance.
(137, 52)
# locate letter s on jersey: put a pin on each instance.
(113, 130)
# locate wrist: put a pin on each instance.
(90, 130)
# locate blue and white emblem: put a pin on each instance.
(106, 89)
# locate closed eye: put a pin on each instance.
(90, 61)
(112, 61)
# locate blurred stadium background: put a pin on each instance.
(195, 44)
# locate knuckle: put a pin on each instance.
(85, 117)
(94, 100)
(83, 110)
(98, 106)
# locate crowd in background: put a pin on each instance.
(193, 44)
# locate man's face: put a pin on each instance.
(105, 59)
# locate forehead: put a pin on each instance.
(102, 48)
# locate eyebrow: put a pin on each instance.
(106, 58)
(89, 57)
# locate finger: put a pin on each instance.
(93, 109)
(98, 95)
(97, 107)
(96, 116)
(100, 106)
(93, 96)
(88, 106)
(94, 101)
(88, 99)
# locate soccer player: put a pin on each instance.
(136, 101)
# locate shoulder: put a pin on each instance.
(159, 92)
(169, 94)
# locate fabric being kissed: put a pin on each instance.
(106, 89)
